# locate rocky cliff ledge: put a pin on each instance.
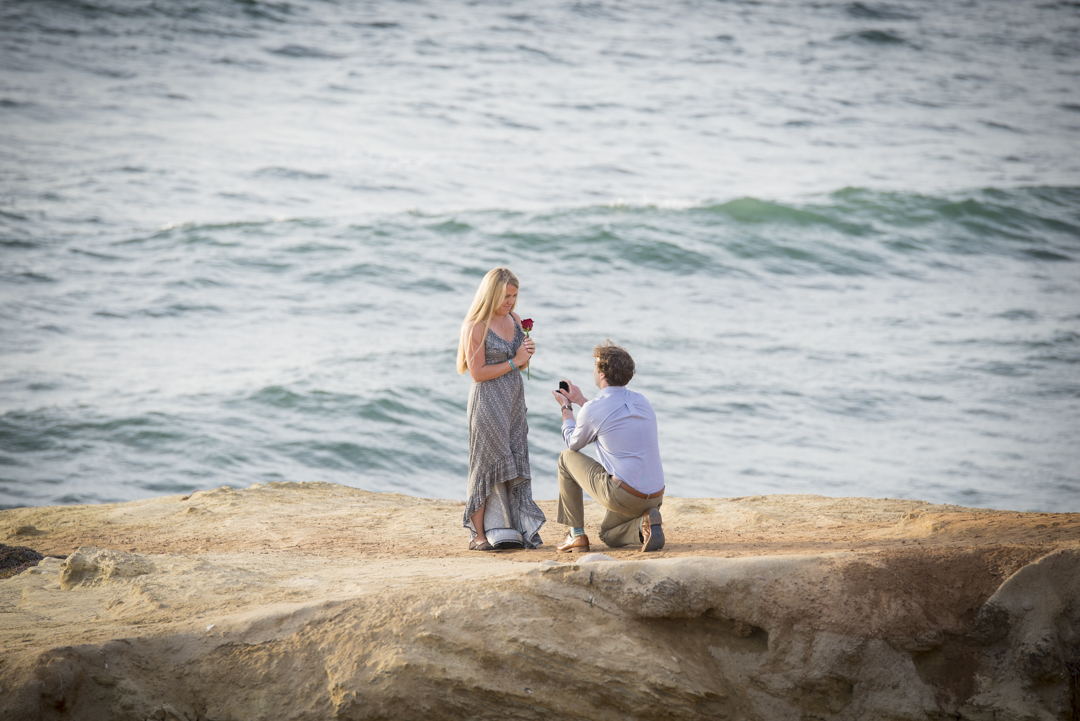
(315, 601)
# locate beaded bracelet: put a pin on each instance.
(511, 362)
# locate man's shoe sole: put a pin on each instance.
(656, 532)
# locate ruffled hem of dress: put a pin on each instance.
(531, 519)
(512, 467)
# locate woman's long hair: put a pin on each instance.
(489, 296)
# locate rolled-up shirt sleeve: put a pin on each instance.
(581, 432)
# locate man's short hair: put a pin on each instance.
(614, 363)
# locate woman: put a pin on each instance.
(494, 350)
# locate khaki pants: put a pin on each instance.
(622, 523)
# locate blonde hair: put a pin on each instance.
(489, 296)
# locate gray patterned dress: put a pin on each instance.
(499, 449)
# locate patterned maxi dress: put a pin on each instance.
(499, 447)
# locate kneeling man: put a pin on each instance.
(629, 480)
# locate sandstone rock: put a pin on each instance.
(94, 566)
(269, 624)
(17, 531)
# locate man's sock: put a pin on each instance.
(575, 532)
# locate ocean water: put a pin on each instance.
(841, 240)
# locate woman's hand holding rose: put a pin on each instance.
(524, 353)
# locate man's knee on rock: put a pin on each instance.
(607, 540)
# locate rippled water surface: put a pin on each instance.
(839, 239)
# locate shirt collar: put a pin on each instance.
(610, 391)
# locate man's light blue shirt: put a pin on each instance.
(623, 425)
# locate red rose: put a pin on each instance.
(526, 325)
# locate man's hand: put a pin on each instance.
(560, 396)
(575, 395)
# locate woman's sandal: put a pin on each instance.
(481, 546)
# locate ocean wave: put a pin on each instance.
(850, 232)
(303, 51)
(878, 12)
(170, 9)
(876, 37)
(53, 431)
(289, 174)
(753, 212)
(273, 433)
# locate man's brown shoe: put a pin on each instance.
(652, 533)
(572, 544)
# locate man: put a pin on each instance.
(629, 480)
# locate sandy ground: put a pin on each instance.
(343, 522)
(275, 564)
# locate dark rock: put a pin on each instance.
(16, 559)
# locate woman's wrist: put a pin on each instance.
(511, 362)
